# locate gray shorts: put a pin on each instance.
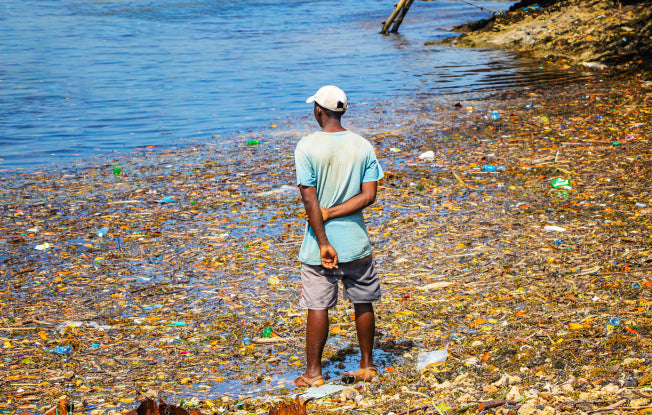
(320, 285)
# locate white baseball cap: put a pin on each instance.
(330, 97)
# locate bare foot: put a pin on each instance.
(364, 374)
(303, 381)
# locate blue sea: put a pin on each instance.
(83, 78)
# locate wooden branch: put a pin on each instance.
(392, 17)
(610, 407)
(401, 15)
(418, 408)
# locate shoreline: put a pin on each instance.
(201, 255)
(596, 34)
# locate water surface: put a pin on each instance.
(85, 77)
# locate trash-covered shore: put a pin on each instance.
(512, 231)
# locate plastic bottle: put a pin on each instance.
(62, 350)
(253, 143)
(488, 168)
(612, 323)
(267, 332)
(560, 183)
(116, 171)
(495, 115)
(103, 231)
(426, 359)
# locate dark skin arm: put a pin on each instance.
(316, 222)
(366, 197)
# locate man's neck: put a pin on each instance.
(333, 127)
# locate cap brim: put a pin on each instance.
(310, 100)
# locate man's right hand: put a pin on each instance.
(324, 214)
(328, 256)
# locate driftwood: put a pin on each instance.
(397, 16)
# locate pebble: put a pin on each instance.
(349, 394)
(514, 394)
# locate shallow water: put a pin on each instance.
(82, 78)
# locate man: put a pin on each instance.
(337, 173)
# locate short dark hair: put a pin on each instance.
(331, 113)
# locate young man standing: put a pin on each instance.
(337, 173)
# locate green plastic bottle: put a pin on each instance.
(560, 183)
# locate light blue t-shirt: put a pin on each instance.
(336, 164)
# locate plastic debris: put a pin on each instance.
(464, 256)
(559, 183)
(62, 350)
(426, 359)
(285, 189)
(554, 228)
(317, 392)
(428, 155)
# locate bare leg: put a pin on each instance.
(365, 325)
(316, 336)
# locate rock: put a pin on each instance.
(589, 396)
(349, 394)
(532, 393)
(507, 380)
(514, 394)
(632, 363)
(514, 380)
(531, 407)
(490, 388)
(634, 403)
(567, 388)
(501, 382)
(476, 343)
(629, 383)
(151, 394)
(611, 389)
(463, 380)
(443, 386)
(471, 361)
(466, 399)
